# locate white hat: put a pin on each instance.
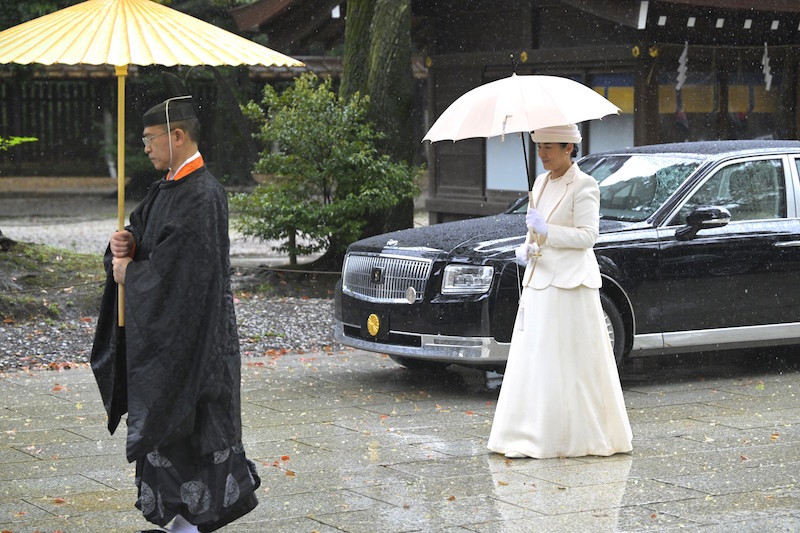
(557, 134)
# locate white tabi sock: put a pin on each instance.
(181, 525)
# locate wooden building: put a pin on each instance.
(741, 59)
(630, 51)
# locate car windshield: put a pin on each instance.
(633, 186)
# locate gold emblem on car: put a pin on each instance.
(373, 324)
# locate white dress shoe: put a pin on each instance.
(515, 455)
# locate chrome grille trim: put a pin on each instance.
(399, 273)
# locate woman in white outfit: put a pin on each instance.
(561, 395)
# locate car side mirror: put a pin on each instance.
(703, 217)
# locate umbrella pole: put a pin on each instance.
(531, 236)
(122, 72)
(527, 167)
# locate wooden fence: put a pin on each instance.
(66, 116)
(75, 122)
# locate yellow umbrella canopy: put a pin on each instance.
(129, 32)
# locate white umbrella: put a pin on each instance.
(519, 104)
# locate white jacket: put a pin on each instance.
(571, 207)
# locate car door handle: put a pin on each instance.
(787, 244)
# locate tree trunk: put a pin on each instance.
(293, 247)
(377, 63)
(5, 242)
(356, 47)
(391, 81)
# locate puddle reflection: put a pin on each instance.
(592, 488)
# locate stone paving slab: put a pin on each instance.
(351, 442)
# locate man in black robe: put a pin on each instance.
(175, 365)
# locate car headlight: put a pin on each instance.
(467, 279)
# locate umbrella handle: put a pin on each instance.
(530, 238)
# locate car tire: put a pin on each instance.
(416, 365)
(616, 328)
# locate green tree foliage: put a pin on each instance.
(326, 176)
(8, 142)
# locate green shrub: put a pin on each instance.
(325, 176)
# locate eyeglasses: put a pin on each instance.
(149, 139)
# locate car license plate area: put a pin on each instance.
(375, 326)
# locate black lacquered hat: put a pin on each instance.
(170, 110)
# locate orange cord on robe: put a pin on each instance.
(184, 171)
(189, 167)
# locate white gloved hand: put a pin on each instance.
(535, 221)
(525, 251)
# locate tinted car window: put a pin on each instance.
(751, 190)
(632, 187)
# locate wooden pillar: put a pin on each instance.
(721, 63)
(645, 94)
(790, 94)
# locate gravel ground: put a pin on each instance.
(267, 326)
(85, 223)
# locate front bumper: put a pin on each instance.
(426, 347)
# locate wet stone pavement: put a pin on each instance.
(349, 441)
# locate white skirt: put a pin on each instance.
(561, 395)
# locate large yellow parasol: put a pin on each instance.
(129, 32)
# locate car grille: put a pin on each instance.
(394, 275)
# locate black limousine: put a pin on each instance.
(699, 250)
